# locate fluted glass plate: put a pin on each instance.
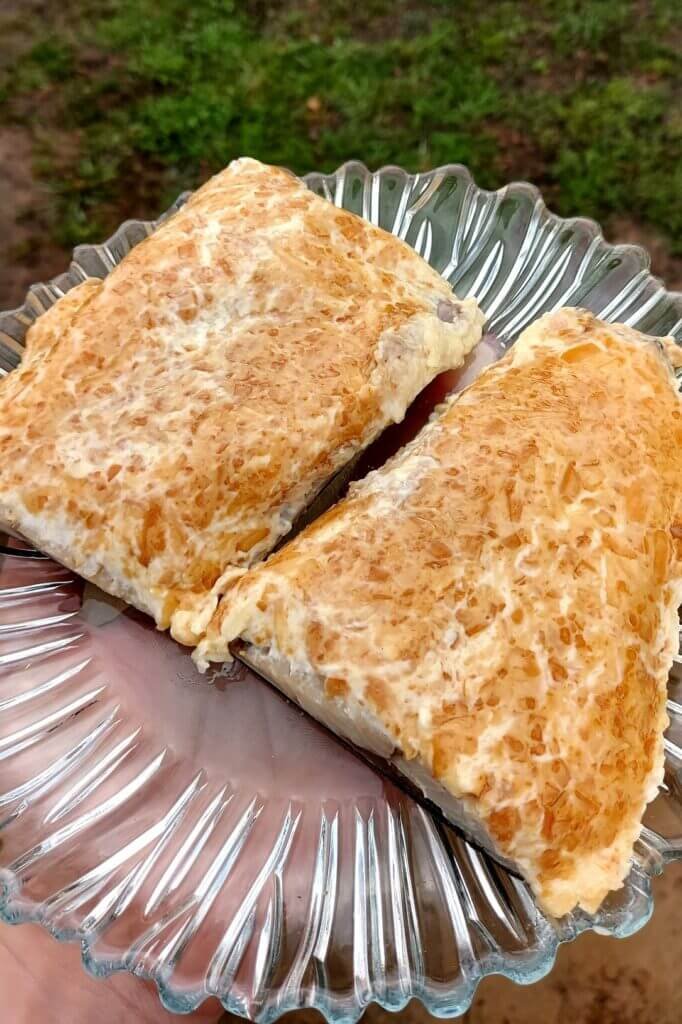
(200, 831)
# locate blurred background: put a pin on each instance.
(109, 109)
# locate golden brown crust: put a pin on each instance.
(168, 422)
(502, 597)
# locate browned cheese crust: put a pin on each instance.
(169, 422)
(501, 599)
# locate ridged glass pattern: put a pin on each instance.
(200, 831)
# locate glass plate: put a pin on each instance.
(200, 831)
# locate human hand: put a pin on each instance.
(43, 982)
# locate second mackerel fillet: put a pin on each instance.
(494, 612)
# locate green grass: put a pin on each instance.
(584, 98)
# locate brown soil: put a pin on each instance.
(663, 263)
(26, 253)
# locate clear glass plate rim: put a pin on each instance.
(587, 224)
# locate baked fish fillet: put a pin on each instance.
(169, 422)
(495, 610)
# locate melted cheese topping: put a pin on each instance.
(168, 423)
(500, 600)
